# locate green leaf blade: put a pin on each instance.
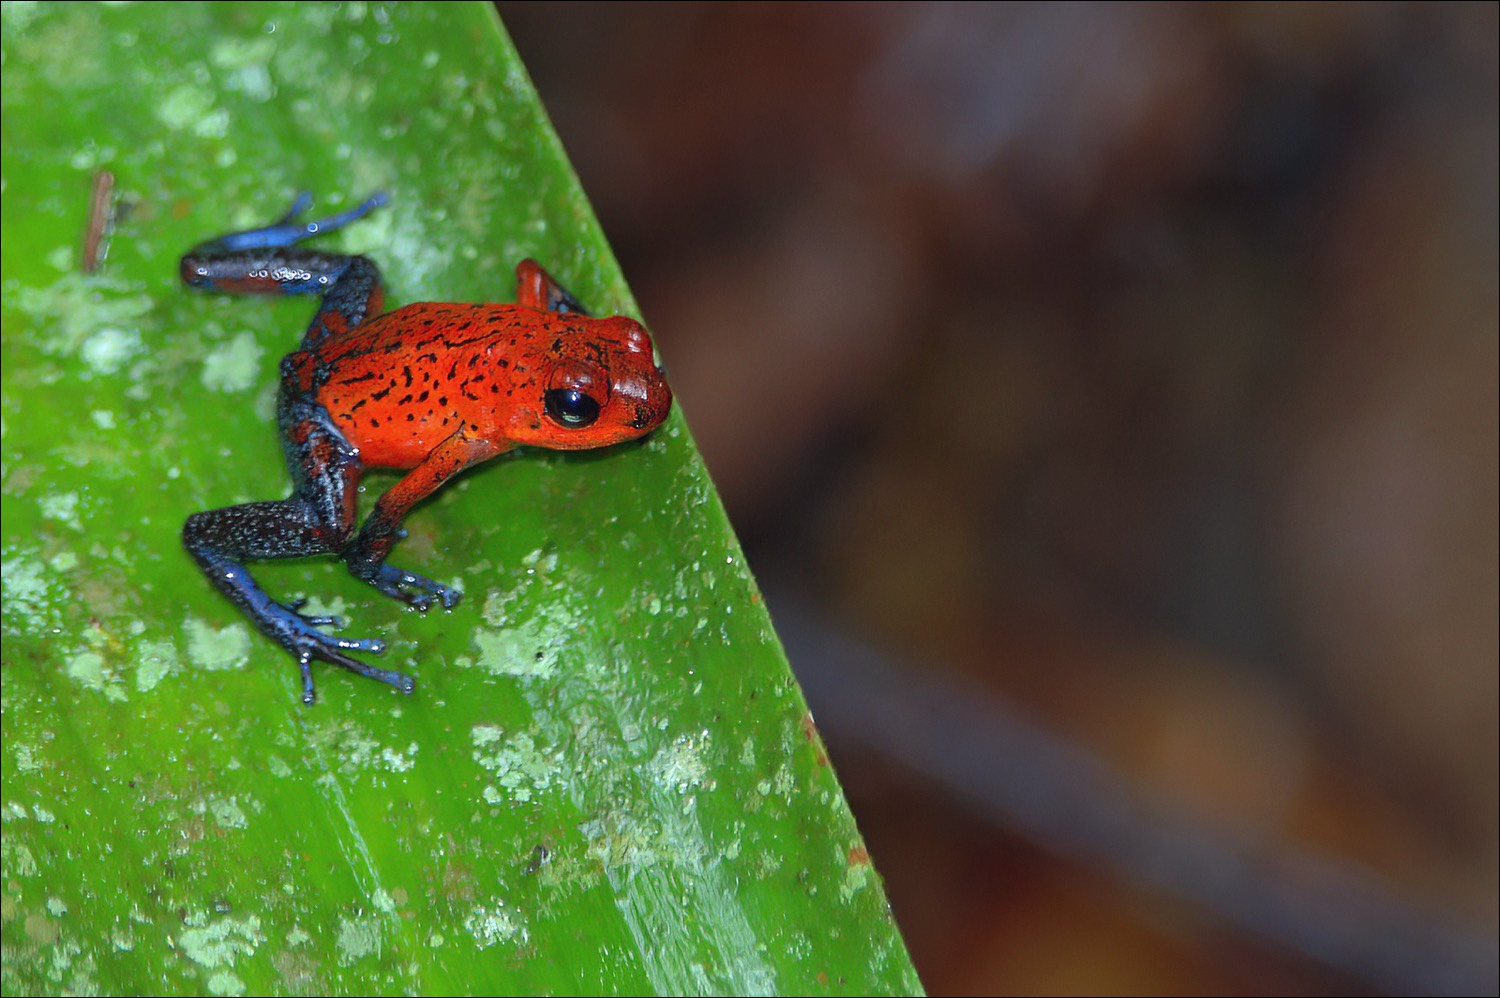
(607, 781)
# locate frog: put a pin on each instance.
(429, 389)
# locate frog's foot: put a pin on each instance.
(219, 538)
(298, 633)
(305, 656)
(286, 230)
(414, 590)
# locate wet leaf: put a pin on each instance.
(606, 781)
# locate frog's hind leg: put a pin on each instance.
(222, 540)
(318, 518)
(266, 261)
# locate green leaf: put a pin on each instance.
(607, 779)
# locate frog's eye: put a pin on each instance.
(571, 408)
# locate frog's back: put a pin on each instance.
(403, 382)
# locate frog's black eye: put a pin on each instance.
(571, 408)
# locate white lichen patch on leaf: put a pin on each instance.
(233, 366)
(34, 598)
(220, 942)
(191, 108)
(529, 647)
(60, 506)
(356, 749)
(516, 764)
(76, 307)
(680, 766)
(227, 812)
(490, 924)
(857, 877)
(486, 734)
(399, 762)
(217, 649)
(358, 938)
(87, 669)
(93, 667)
(244, 62)
(122, 938)
(154, 661)
(225, 984)
(26, 756)
(781, 784)
(530, 650)
(618, 840)
(109, 350)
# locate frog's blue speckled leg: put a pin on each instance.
(287, 231)
(320, 515)
(210, 537)
(318, 518)
(264, 261)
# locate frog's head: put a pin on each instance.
(599, 386)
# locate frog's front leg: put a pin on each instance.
(382, 529)
(318, 518)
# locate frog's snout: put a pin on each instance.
(651, 410)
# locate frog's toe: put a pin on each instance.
(434, 591)
(416, 591)
(321, 644)
(298, 633)
(374, 646)
(399, 680)
(300, 204)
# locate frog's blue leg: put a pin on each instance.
(266, 261)
(320, 515)
(318, 518)
(287, 231)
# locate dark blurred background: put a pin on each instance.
(1106, 397)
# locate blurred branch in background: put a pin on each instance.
(1068, 801)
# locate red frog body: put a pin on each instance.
(404, 382)
(430, 388)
